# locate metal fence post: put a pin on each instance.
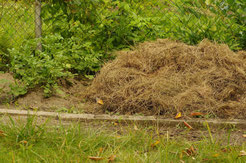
(38, 23)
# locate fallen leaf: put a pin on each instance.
(244, 135)
(100, 150)
(185, 153)
(181, 161)
(196, 114)
(226, 150)
(24, 142)
(179, 115)
(187, 125)
(118, 136)
(95, 158)
(242, 153)
(115, 124)
(111, 158)
(216, 155)
(190, 151)
(155, 143)
(2, 133)
(206, 159)
(99, 101)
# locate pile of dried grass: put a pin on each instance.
(164, 77)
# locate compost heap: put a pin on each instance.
(165, 77)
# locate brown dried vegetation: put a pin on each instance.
(165, 77)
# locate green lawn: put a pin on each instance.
(30, 142)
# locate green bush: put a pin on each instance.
(60, 58)
(221, 20)
(106, 25)
(37, 68)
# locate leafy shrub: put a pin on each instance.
(60, 58)
(34, 67)
(106, 25)
(192, 21)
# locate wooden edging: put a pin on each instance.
(125, 118)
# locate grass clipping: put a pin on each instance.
(165, 77)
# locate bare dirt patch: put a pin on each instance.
(5, 81)
(165, 77)
(67, 99)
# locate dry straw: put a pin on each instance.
(164, 77)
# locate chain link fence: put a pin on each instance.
(188, 21)
(17, 21)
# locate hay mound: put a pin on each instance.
(164, 77)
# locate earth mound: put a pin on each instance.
(165, 77)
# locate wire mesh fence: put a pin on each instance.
(17, 21)
(189, 21)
